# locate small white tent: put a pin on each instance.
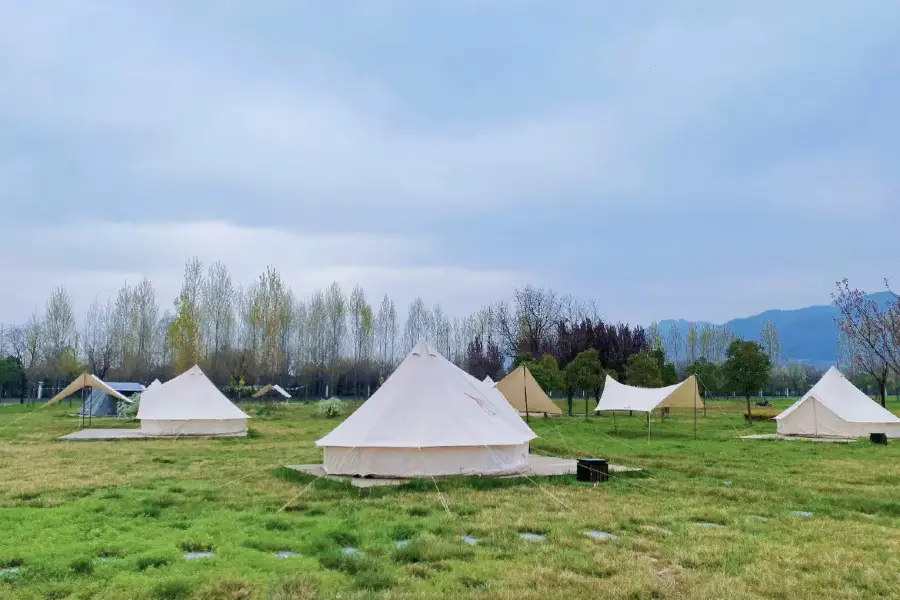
(430, 418)
(834, 407)
(189, 404)
(618, 396)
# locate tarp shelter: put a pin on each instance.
(834, 407)
(189, 404)
(88, 380)
(429, 418)
(271, 388)
(101, 404)
(525, 394)
(618, 396)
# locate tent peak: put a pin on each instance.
(422, 348)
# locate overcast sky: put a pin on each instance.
(703, 160)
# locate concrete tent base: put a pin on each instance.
(775, 436)
(85, 435)
(538, 466)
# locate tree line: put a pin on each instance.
(347, 344)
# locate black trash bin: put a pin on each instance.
(592, 469)
(878, 438)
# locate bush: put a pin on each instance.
(128, 411)
(331, 408)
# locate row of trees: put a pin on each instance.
(265, 332)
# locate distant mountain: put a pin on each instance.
(806, 334)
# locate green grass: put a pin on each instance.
(111, 520)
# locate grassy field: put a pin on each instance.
(113, 520)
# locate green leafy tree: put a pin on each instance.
(667, 370)
(708, 375)
(552, 377)
(585, 372)
(746, 369)
(643, 370)
(545, 371)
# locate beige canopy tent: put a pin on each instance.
(526, 396)
(618, 396)
(83, 381)
(271, 388)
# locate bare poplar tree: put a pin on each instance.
(300, 323)
(386, 333)
(185, 329)
(58, 329)
(336, 320)
(97, 338)
(692, 343)
(771, 344)
(317, 327)
(706, 342)
(218, 308)
(122, 332)
(357, 307)
(416, 328)
(440, 326)
(144, 320)
(59, 323)
(270, 317)
(674, 343)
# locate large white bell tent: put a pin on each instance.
(189, 404)
(430, 418)
(834, 407)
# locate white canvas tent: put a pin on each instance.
(156, 382)
(430, 418)
(272, 388)
(834, 407)
(189, 404)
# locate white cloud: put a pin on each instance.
(93, 260)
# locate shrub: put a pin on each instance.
(128, 411)
(331, 408)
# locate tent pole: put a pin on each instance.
(695, 415)
(615, 428)
(815, 418)
(648, 425)
(525, 387)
